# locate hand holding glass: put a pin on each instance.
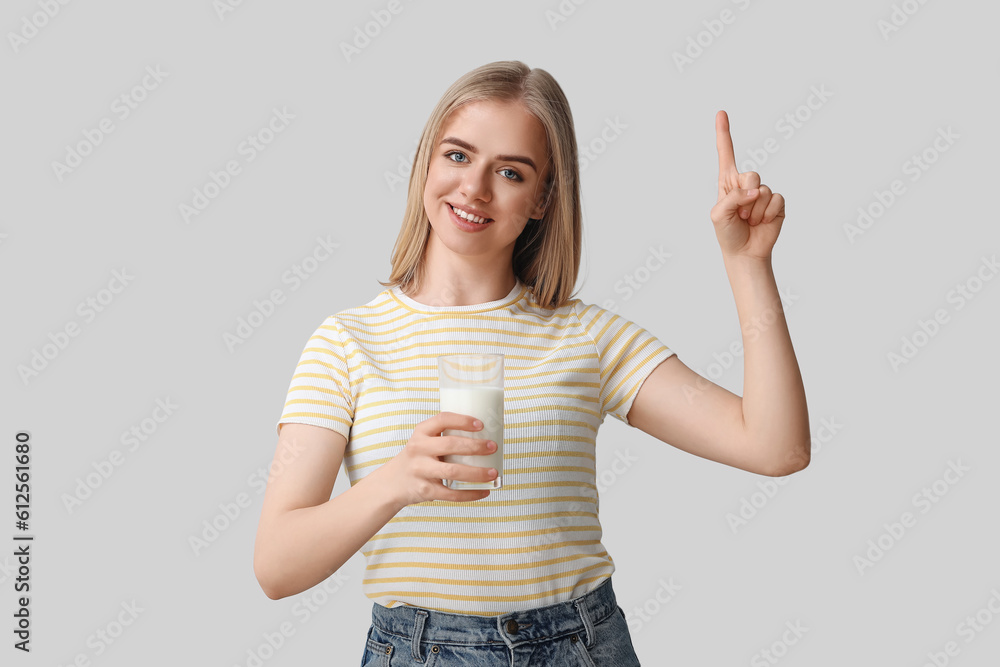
(472, 384)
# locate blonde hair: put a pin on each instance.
(546, 255)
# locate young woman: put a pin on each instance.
(485, 262)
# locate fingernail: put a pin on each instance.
(751, 193)
(491, 445)
(493, 472)
(477, 423)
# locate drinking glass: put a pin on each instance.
(472, 384)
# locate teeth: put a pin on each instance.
(468, 216)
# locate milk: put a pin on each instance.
(485, 404)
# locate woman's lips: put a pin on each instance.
(455, 210)
(467, 225)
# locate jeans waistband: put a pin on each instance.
(579, 615)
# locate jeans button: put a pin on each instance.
(574, 639)
(512, 626)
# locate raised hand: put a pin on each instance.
(748, 215)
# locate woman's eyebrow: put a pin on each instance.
(503, 158)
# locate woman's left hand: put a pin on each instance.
(748, 215)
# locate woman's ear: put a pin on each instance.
(538, 212)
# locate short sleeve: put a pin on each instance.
(320, 391)
(628, 354)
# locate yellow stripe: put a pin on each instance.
(584, 315)
(540, 454)
(430, 384)
(529, 360)
(508, 443)
(456, 343)
(469, 332)
(508, 503)
(433, 367)
(506, 471)
(389, 305)
(488, 536)
(535, 485)
(635, 370)
(523, 306)
(307, 387)
(508, 427)
(616, 361)
(482, 582)
(433, 400)
(314, 401)
(470, 317)
(507, 455)
(625, 379)
(311, 375)
(472, 552)
(486, 519)
(610, 345)
(483, 566)
(320, 362)
(316, 415)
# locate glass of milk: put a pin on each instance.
(472, 384)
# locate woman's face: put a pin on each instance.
(490, 160)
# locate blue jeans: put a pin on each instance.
(589, 631)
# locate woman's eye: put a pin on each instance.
(509, 174)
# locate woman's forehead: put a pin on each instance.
(513, 116)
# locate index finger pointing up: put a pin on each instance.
(724, 143)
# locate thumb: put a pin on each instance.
(736, 198)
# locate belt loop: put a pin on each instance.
(418, 631)
(588, 624)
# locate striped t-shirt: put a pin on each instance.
(370, 373)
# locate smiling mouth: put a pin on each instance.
(469, 217)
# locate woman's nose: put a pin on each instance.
(475, 184)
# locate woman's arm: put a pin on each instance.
(775, 416)
(766, 431)
(304, 536)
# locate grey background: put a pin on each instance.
(665, 517)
